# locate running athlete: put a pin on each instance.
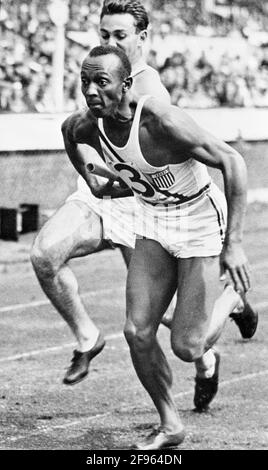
(85, 224)
(182, 226)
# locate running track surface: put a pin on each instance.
(110, 409)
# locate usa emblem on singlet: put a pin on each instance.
(163, 179)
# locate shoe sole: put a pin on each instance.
(76, 381)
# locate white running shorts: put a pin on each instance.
(117, 215)
(191, 229)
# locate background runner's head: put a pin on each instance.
(124, 24)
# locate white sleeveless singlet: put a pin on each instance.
(81, 184)
(174, 183)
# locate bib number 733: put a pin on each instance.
(134, 178)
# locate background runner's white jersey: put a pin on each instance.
(142, 67)
(175, 183)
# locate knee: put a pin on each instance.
(43, 258)
(139, 339)
(188, 349)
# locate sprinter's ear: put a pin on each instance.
(127, 84)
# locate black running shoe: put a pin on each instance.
(78, 369)
(246, 320)
(206, 389)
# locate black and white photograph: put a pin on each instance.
(133, 228)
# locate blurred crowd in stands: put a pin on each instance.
(197, 78)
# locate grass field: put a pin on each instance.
(110, 409)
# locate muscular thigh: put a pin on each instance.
(198, 289)
(151, 283)
(74, 230)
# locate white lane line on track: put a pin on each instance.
(15, 307)
(41, 303)
(259, 306)
(87, 420)
(52, 349)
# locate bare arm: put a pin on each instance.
(202, 146)
(234, 171)
(80, 161)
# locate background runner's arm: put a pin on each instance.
(194, 142)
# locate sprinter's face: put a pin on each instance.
(102, 85)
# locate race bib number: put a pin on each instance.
(134, 179)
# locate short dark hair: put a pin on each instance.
(125, 69)
(133, 7)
